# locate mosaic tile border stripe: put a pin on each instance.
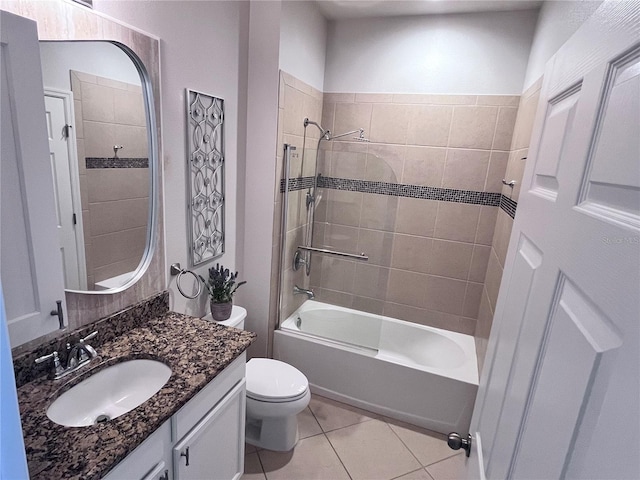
(402, 190)
(102, 162)
(508, 205)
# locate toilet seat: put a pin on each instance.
(274, 381)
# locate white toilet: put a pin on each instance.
(276, 393)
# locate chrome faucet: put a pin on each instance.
(309, 293)
(79, 355)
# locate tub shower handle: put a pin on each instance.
(456, 442)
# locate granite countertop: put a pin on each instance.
(195, 349)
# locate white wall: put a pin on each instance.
(97, 58)
(199, 50)
(479, 53)
(558, 20)
(261, 128)
(303, 42)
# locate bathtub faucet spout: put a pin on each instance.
(308, 293)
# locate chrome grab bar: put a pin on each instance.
(356, 256)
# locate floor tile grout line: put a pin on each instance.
(261, 465)
(337, 455)
(443, 459)
(412, 471)
(405, 445)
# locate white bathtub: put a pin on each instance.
(422, 375)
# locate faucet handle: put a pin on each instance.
(89, 337)
(56, 361)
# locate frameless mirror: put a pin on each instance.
(98, 120)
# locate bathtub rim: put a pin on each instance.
(467, 372)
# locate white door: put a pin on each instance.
(30, 258)
(64, 164)
(559, 396)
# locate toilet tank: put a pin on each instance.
(238, 314)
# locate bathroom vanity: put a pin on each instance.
(193, 426)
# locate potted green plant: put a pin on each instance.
(221, 286)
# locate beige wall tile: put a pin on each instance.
(115, 84)
(348, 164)
(111, 217)
(473, 127)
(445, 295)
(406, 288)
(371, 281)
(486, 225)
(411, 253)
(434, 99)
(351, 116)
(341, 238)
(472, 299)
(479, 261)
(133, 140)
(379, 212)
(389, 123)
(493, 279)
(339, 97)
(500, 100)
(333, 297)
(424, 166)
(105, 184)
(118, 246)
(328, 113)
(466, 169)
(82, 161)
(79, 121)
(524, 121)
(369, 305)
(385, 163)
(429, 125)
(497, 169)
(99, 139)
(374, 98)
(293, 111)
(504, 224)
(312, 109)
(515, 172)
(340, 275)
(504, 128)
(467, 325)
(457, 221)
(416, 216)
(97, 103)
(343, 207)
(405, 312)
(378, 245)
(129, 108)
(118, 268)
(450, 259)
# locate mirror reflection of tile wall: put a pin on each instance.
(115, 191)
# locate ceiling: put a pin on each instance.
(341, 9)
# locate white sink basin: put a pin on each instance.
(109, 393)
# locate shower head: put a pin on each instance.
(360, 137)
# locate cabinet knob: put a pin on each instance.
(186, 455)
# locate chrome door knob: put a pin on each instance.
(456, 442)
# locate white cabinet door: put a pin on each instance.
(214, 448)
(559, 393)
(31, 265)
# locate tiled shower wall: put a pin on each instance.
(500, 242)
(115, 194)
(440, 160)
(297, 101)
(428, 251)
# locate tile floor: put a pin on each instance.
(338, 441)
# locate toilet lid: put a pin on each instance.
(275, 381)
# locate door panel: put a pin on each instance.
(31, 264)
(562, 389)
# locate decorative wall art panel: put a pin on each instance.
(205, 158)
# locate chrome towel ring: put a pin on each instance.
(179, 271)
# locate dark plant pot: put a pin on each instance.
(220, 311)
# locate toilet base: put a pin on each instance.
(270, 432)
(277, 434)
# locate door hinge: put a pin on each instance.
(65, 130)
(75, 222)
